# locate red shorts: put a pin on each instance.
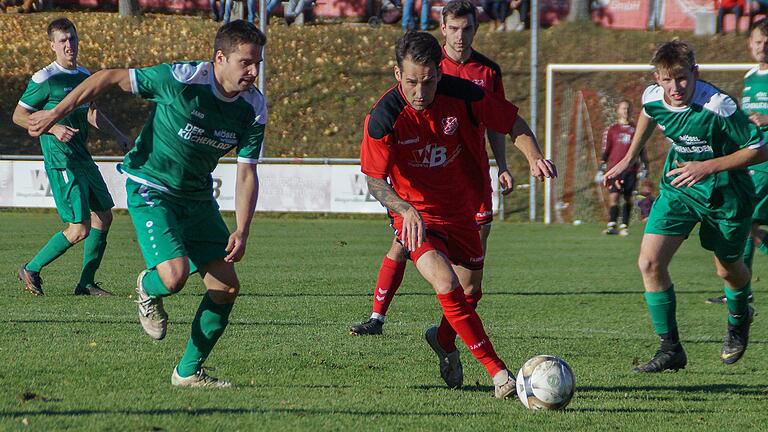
(484, 214)
(460, 243)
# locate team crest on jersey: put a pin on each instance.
(480, 82)
(450, 124)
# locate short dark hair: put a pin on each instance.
(460, 8)
(420, 47)
(761, 24)
(62, 25)
(674, 56)
(235, 33)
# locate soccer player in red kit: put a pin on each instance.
(420, 135)
(616, 140)
(459, 25)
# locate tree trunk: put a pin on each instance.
(129, 8)
(579, 10)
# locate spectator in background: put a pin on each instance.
(251, 4)
(757, 7)
(408, 23)
(521, 7)
(215, 10)
(497, 11)
(725, 7)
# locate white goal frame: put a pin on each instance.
(596, 67)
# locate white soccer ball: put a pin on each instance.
(545, 382)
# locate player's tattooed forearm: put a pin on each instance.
(383, 192)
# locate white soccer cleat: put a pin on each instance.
(152, 316)
(623, 230)
(505, 384)
(200, 379)
(450, 364)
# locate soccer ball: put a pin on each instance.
(545, 382)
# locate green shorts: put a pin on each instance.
(760, 179)
(169, 227)
(671, 216)
(77, 192)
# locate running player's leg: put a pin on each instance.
(470, 281)
(100, 203)
(208, 325)
(656, 252)
(437, 270)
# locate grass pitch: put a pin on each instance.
(73, 363)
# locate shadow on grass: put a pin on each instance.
(472, 388)
(743, 389)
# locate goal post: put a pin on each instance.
(553, 69)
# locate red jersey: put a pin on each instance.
(427, 154)
(485, 73)
(616, 141)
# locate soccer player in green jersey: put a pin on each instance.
(202, 111)
(705, 181)
(754, 103)
(79, 191)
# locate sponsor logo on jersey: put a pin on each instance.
(197, 114)
(480, 82)
(195, 134)
(692, 140)
(68, 89)
(409, 141)
(433, 156)
(226, 136)
(450, 125)
(761, 95)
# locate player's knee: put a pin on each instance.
(228, 295)
(723, 272)
(174, 278)
(106, 219)
(648, 265)
(396, 252)
(444, 285)
(76, 233)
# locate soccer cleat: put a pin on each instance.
(93, 289)
(664, 360)
(722, 299)
(370, 327)
(623, 230)
(736, 339)
(504, 383)
(611, 230)
(152, 316)
(199, 379)
(450, 364)
(32, 281)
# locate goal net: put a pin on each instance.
(581, 102)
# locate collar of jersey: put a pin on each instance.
(761, 71)
(678, 109)
(65, 70)
(447, 57)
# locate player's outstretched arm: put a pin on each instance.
(413, 227)
(498, 144)
(525, 141)
(61, 132)
(643, 132)
(246, 196)
(689, 173)
(41, 121)
(100, 121)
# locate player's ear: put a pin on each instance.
(398, 74)
(219, 57)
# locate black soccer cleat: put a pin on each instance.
(664, 360)
(93, 289)
(736, 339)
(368, 328)
(32, 281)
(722, 299)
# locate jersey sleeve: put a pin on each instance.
(249, 148)
(155, 83)
(741, 131)
(498, 85)
(375, 153)
(607, 143)
(496, 113)
(35, 96)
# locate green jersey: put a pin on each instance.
(45, 90)
(754, 99)
(191, 127)
(710, 126)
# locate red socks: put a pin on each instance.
(463, 318)
(390, 276)
(446, 335)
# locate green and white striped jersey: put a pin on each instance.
(191, 127)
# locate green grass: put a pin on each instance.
(85, 364)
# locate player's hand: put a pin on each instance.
(125, 143)
(688, 173)
(63, 133)
(543, 168)
(759, 119)
(41, 122)
(507, 182)
(412, 234)
(236, 247)
(613, 175)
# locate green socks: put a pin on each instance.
(737, 302)
(153, 285)
(749, 252)
(209, 324)
(95, 244)
(661, 306)
(56, 246)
